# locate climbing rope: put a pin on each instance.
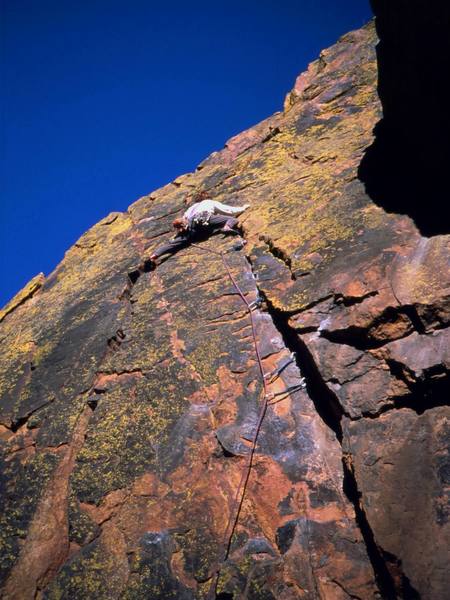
(266, 397)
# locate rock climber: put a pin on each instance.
(201, 219)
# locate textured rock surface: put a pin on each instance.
(130, 398)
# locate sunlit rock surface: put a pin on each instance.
(130, 398)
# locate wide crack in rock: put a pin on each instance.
(428, 390)
(331, 412)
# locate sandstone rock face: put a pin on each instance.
(130, 398)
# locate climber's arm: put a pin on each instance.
(225, 209)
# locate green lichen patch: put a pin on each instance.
(82, 529)
(151, 575)
(118, 447)
(21, 487)
(200, 551)
(132, 421)
(249, 577)
(91, 575)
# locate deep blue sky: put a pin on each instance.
(105, 100)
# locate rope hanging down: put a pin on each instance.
(266, 396)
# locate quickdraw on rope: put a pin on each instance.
(266, 396)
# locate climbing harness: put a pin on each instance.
(268, 398)
(202, 218)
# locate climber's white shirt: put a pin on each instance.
(213, 208)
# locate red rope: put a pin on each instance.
(242, 487)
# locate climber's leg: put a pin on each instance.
(230, 225)
(223, 223)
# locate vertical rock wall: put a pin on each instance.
(130, 398)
